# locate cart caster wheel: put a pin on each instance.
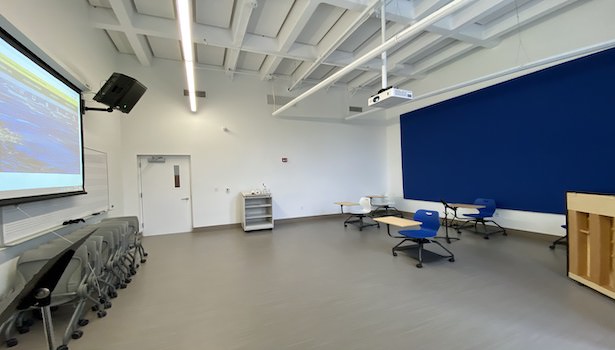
(11, 342)
(419, 265)
(77, 334)
(83, 322)
(108, 305)
(62, 347)
(101, 314)
(23, 330)
(486, 237)
(451, 259)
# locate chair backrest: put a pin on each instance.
(489, 208)
(366, 204)
(430, 219)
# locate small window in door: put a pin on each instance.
(176, 175)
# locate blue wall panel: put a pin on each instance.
(524, 142)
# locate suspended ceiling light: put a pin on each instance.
(185, 19)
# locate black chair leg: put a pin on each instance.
(451, 257)
(562, 240)
(420, 264)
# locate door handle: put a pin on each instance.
(185, 198)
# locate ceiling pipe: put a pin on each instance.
(567, 56)
(414, 29)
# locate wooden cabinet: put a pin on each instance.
(257, 211)
(591, 240)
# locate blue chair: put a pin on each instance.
(430, 223)
(483, 216)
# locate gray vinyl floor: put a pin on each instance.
(314, 284)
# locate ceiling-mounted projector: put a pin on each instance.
(389, 97)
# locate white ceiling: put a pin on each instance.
(306, 41)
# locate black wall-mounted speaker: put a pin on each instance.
(120, 92)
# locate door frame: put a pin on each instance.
(145, 157)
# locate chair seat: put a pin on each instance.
(359, 211)
(417, 233)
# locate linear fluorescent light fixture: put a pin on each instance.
(185, 19)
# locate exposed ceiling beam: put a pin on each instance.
(124, 12)
(298, 17)
(524, 15)
(453, 26)
(345, 26)
(422, 43)
(402, 36)
(241, 18)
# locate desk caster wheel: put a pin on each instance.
(419, 265)
(451, 259)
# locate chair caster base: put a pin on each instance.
(23, 330)
(11, 342)
(394, 254)
(101, 314)
(451, 259)
(77, 334)
(552, 246)
(83, 322)
(419, 265)
(486, 237)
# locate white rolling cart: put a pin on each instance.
(257, 211)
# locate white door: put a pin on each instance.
(166, 205)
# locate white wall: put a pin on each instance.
(585, 24)
(61, 30)
(328, 160)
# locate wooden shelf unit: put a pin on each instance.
(257, 211)
(591, 240)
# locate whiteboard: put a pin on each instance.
(28, 220)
